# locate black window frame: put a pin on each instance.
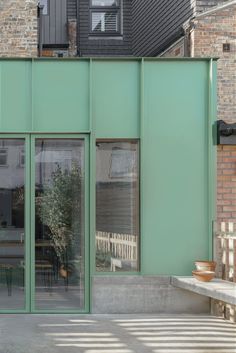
(111, 9)
(4, 153)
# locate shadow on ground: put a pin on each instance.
(116, 334)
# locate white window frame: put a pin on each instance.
(116, 9)
(45, 4)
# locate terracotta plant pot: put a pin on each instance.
(63, 272)
(205, 265)
(203, 276)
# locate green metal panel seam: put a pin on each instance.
(27, 224)
(90, 95)
(211, 158)
(141, 154)
(32, 95)
(32, 223)
(92, 171)
(87, 225)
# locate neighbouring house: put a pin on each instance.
(97, 27)
(110, 27)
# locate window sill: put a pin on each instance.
(108, 37)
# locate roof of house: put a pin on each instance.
(187, 23)
(216, 8)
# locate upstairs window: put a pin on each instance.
(45, 4)
(3, 157)
(105, 17)
(22, 158)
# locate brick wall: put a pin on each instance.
(226, 190)
(204, 5)
(210, 33)
(176, 50)
(18, 28)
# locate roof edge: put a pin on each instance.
(215, 9)
(115, 58)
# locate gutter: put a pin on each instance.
(40, 32)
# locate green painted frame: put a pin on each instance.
(212, 153)
(30, 217)
(93, 212)
(27, 250)
(32, 221)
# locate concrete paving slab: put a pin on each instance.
(116, 334)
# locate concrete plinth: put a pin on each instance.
(143, 294)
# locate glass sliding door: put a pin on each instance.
(59, 246)
(12, 224)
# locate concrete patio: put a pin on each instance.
(116, 334)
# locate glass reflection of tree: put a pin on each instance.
(18, 207)
(59, 209)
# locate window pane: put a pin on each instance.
(44, 3)
(105, 2)
(3, 157)
(117, 206)
(104, 22)
(12, 226)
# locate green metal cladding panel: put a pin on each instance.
(168, 104)
(115, 98)
(15, 95)
(175, 222)
(61, 96)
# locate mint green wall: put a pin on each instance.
(15, 95)
(168, 104)
(115, 98)
(175, 143)
(61, 96)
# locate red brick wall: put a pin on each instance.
(210, 33)
(176, 50)
(226, 190)
(208, 37)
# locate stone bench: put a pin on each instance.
(216, 289)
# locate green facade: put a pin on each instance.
(168, 104)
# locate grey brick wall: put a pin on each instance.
(18, 28)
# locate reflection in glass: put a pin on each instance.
(117, 206)
(105, 2)
(59, 229)
(104, 22)
(12, 195)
